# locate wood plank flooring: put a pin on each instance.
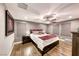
(28, 49)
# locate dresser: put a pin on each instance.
(75, 43)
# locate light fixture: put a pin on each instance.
(41, 18)
(70, 17)
(25, 17)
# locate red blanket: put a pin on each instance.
(47, 37)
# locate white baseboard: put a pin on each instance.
(13, 47)
(17, 42)
(11, 50)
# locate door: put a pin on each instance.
(21, 30)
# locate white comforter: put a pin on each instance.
(42, 43)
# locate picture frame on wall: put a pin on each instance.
(9, 23)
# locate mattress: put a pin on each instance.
(42, 43)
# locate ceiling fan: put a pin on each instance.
(50, 17)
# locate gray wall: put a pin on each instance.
(60, 29)
(22, 27)
(63, 28)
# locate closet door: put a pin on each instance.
(66, 29)
(56, 28)
(21, 30)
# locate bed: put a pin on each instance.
(42, 41)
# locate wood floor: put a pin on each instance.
(28, 49)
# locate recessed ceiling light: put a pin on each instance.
(70, 16)
(25, 17)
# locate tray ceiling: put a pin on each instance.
(37, 11)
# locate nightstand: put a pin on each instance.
(26, 39)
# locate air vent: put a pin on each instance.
(22, 5)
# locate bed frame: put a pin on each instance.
(47, 48)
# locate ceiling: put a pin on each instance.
(39, 12)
